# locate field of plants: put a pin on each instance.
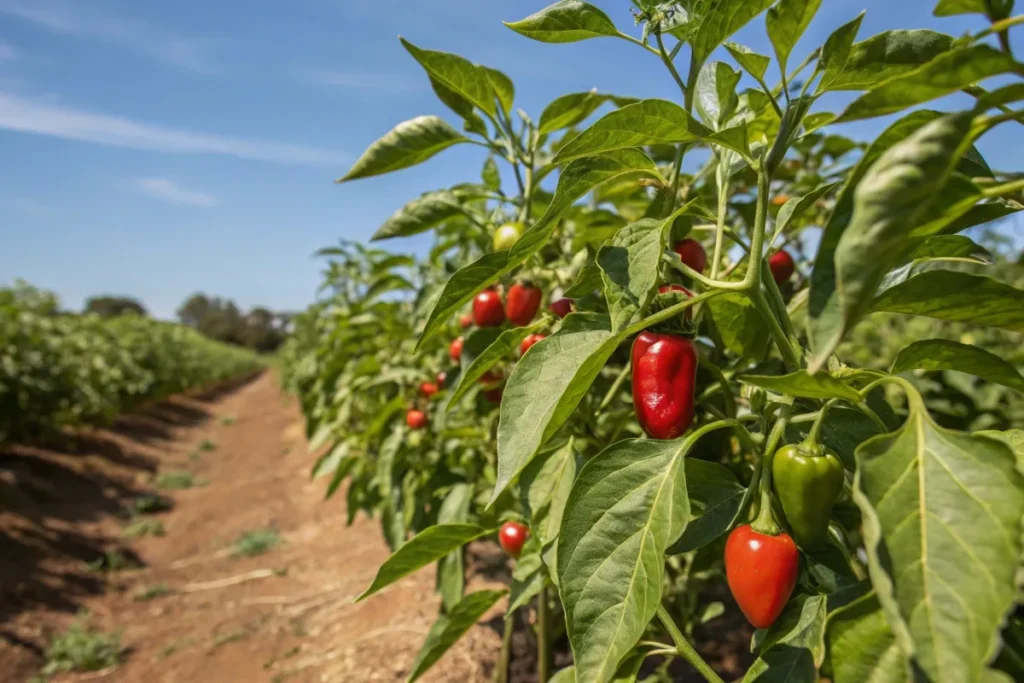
(791, 376)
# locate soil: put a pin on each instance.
(188, 607)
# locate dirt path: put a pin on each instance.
(284, 615)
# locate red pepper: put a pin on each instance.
(521, 303)
(466, 320)
(428, 389)
(782, 266)
(664, 375)
(512, 536)
(416, 419)
(665, 289)
(455, 349)
(692, 253)
(442, 377)
(487, 309)
(761, 571)
(525, 345)
(561, 307)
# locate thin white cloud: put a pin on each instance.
(357, 80)
(171, 192)
(7, 52)
(59, 16)
(27, 206)
(44, 118)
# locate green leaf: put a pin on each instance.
(939, 354)
(490, 175)
(716, 93)
(888, 55)
(948, 247)
(500, 348)
(569, 110)
(948, 73)
(929, 495)
(329, 461)
(588, 281)
(450, 579)
(836, 51)
(804, 385)
(419, 215)
(448, 629)
(715, 499)
(567, 21)
(576, 179)
(960, 297)
(528, 576)
(503, 88)
(469, 81)
(794, 646)
(722, 20)
(544, 487)
(949, 8)
(546, 386)
(795, 206)
(786, 22)
(629, 265)
(740, 325)
(428, 546)
(754, 64)
(407, 144)
(861, 646)
(628, 505)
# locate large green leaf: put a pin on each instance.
(794, 646)
(544, 488)
(567, 21)
(754, 64)
(947, 73)
(450, 579)
(546, 386)
(836, 51)
(940, 354)
(419, 215)
(741, 327)
(948, 247)
(715, 498)
(471, 82)
(569, 110)
(500, 348)
(629, 503)
(716, 98)
(960, 297)
(861, 646)
(803, 385)
(407, 144)
(428, 546)
(942, 512)
(449, 628)
(576, 179)
(786, 22)
(629, 266)
(722, 19)
(887, 55)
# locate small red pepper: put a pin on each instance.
(416, 419)
(487, 309)
(664, 375)
(521, 303)
(428, 389)
(561, 307)
(455, 349)
(692, 253)
(761, 571)
(466, 320)
(525, 345)
(512, 536)
(442, 377)
(782, 266)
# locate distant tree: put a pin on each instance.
(112, 306)
(260, 329)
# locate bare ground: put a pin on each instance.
(285, 615)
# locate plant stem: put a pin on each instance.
(543, 636)
(685, 649)
(614, 389)
(723, 208)
(501, 667)
(814, 436)
(626, 36)
(765, 522)
(671, 66)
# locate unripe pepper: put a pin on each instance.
(761, 571)
(808, 479)
(664, 375)
(455, 349)
(487, 309)
(691, 252)
(512, 536)
(782, 266)
(521, 303)
(525, 345)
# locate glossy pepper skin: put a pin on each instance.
(782, 266)
(665, 289)
(522, 303)
(512, 536)
(664, 375)
(525, 345)
(416, 419)
(808, 479)
(455, 349)
(487, 309)
(692, 253)
(761, 571)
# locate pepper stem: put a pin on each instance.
(765, 522)
(814, 436)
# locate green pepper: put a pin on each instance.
(808, 479)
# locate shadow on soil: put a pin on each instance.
(51, 493)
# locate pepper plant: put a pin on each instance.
(643, 380)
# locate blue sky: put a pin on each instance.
(157, 149)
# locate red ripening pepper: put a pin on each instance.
(455, 349)
(782, 266)
(465, 320)
(665, 289)
(428, 389)
(561, 307)
(442, 377)
(664, 375)
(525, 345)
(487, 309)
(521, 303)
(512, 536)
(692, 253)
(761, 571)
(416, 419)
